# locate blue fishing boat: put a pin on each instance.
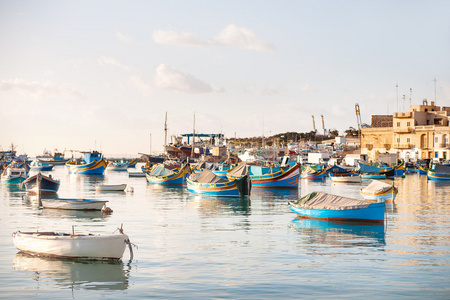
(275, 177)
(14, 173)
(56, 159)
(41, 183)
(311, 173)
(93, 163)
(39, 165)
(166, 175)
(379, 190)
(132, 163)
(118, 165)
(319, 205)
(439, 172)
(209, 184)
(422, 170)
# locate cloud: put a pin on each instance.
(111, 61)
(306, 87)
(168, 78)
(123, 37)
(140, 84)
(230, 36)
(38, 89)
(265, 91)
(181, 39)
(242, 37)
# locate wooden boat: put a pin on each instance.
(209, 184)
(42, 183)
(267, 177)
(379, 190)
(38, 165)
(373, 176)
(117, 166)
(439, 172)
(310, 173)
(132, 163)
(350, 177)
(163, 174)
(319, 205)
(93, 163)
(73, 204)
(14, 173)
(276, 177)
(74, 246)
(56, 159)
(422, 170)
(110, 187)
(136, 174)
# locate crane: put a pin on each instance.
(323, 125)
(358, 116)
(314, 124)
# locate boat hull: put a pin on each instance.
(382, 196)
(373, 176)
(355, 178)
(96, 167)
(436, 176)
(111, 187)
(373, 213)
(320, 175)
(234, 188)
(73, 204)
(92, 247)
(13, 180)
(45, 185)
(280, 179)
(173, 179)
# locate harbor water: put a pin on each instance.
(193, 247)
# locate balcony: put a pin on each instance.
(444, 146)
(402, 146)
(387, 146)
(402, 115)
(403, 130)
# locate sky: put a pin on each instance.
(86, 75)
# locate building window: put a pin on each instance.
(408, 124)
(398, 124)
(435, 139)
(408, 140)
(398, 140)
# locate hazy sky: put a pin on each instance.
(101, 74)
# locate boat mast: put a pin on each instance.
(165, 136)
(193, 138)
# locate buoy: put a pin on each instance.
(106, 210)
(130, 189)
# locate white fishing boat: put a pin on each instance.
(75, 204)
(355, 178)
(67, 245)
(117, 166)
(110, 187)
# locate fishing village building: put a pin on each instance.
(421, 133)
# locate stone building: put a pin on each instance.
(421, 133)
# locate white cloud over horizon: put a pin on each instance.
(168, 78)
(171, 37)
(38, 89)
(104, 60)
(230, 36)
(123, 37)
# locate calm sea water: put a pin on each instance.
(224, 248)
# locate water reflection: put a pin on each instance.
(210, 205)
(339, 234)
(89, 275)
(290, 194)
